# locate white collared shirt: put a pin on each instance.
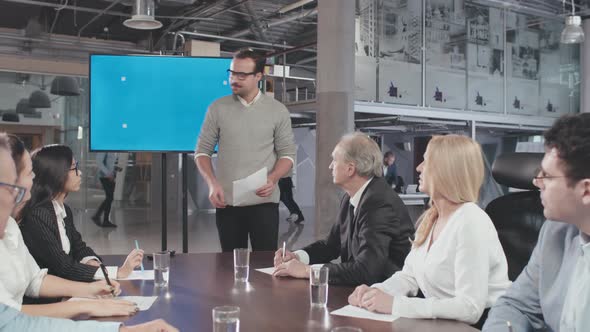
(574, 316)
(19, 273)
(356, 198)
(354, 201)
(248, 104)
(60, 213)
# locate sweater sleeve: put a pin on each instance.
(283, 137)
(209, 134)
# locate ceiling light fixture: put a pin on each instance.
(39, 99)
(65, 86)
(572, 32)
(143, 16)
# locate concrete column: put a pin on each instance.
(335, 96)
(585, 69)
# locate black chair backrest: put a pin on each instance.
(518, 216)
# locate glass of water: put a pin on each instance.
(318, 285)
(161, 268)
(226, 319)
(241, 264)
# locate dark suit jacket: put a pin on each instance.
(372, 244)
(391, 176)
(41, 235)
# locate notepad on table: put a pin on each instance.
(356, 312)
(143, 302)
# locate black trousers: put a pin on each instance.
(286, 187)
(260, 222)
(109, 190)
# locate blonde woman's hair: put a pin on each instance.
(363, 152)
(454, 171)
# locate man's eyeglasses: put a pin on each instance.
(240, 75)
(17, 191)
(541, 176)
(75, 168)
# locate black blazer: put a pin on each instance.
(372, 244)
(41, 235)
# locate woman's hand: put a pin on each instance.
(101, 289)
(377, 300)
(133, 260)
(355, 297)
(109, 308)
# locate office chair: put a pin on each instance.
(518, 216)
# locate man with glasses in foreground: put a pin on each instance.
(553, 291)
(12, 319)
(252, 131)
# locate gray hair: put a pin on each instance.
(358, 148)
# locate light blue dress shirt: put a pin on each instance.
(575, 316)
(12, 320)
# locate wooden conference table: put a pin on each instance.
(200, 282)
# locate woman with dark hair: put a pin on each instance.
(48, 225)
(19, 273)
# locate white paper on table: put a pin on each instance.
(143, 302)
(245, 189)
(271, 270)
(140, 275)
(352, 311)
(267, 270)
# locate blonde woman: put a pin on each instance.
(456, 260)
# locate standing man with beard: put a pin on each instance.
(252, 131)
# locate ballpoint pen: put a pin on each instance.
(137, 247)
(284, 248)
(106, 276)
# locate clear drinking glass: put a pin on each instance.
(226, 319)
(241, 264)
(161, 268)
(318, 285)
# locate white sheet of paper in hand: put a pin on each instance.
(143, 302)
(140, 275)
(271, 270)
(352, 311)
(267, 270)
(245, 189)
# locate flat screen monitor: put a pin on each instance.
(152, 103)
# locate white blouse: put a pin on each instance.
(19, 273)
(464, 272)
(60, 213)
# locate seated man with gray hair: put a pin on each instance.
(371, 235)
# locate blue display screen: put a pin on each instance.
(152, 103)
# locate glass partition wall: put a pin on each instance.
(464, 55)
